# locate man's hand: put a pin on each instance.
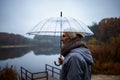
(60, 60)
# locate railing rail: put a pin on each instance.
(27, 75)
(52, 69)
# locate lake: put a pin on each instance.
(33, 60)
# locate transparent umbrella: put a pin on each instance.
(58, 25)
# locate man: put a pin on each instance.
(77, 58)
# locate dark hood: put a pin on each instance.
(85, 53)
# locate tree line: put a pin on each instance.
(13, 39)
(106, 29)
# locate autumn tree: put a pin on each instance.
(109, 27)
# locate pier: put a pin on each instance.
(50, 73)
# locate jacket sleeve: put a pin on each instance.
(75, 69)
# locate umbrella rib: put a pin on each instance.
(68, 22)
(79, 24)
(36, 26)
(56, 27)
(45, 24)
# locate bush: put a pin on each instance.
(8, 73)
(106, 59)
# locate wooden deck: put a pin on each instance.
(35, 76)
(49, 78)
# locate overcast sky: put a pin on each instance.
(20, 16)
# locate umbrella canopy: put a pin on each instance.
(57, 25)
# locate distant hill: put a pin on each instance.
(48, 39)
(46, 44)
(13, 39)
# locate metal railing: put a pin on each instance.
(53, 70)
(27, 75)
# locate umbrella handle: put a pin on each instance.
(57, 64)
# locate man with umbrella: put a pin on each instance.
(77, 57)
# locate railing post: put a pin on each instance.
(21, 72)
(25, 74)
(45, 67)
(47, 74)
(52, 71)
(60, 74)
(32, 76)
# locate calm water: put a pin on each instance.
(33, 60)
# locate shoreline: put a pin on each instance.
(16, 46)
(105, 77)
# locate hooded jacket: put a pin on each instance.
(77, 62)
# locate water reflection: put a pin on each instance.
(10, 53)
(32, 59)
(46, 50)
(6, 53)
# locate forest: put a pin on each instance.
(105, 46)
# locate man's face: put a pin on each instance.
(65, 38)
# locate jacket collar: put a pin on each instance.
(72, 44)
